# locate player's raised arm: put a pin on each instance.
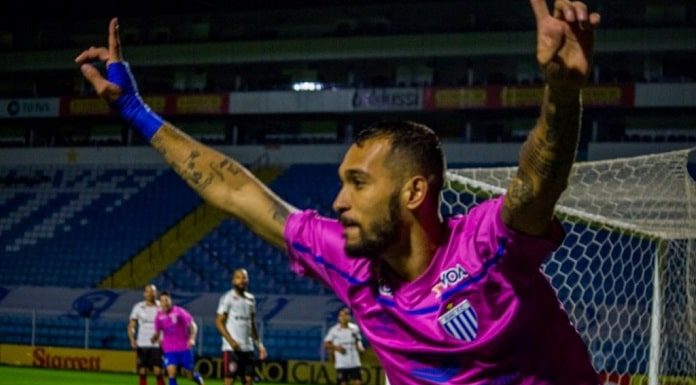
(218, 179)
(564, 52)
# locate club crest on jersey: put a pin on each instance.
(461, 321)
(449, 277)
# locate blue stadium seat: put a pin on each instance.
(57, 217)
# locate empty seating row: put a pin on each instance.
(80, 223)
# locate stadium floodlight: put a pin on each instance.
(307, 86)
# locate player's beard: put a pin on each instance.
(382, 233)
(240, 289)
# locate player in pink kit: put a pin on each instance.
(178, 331)
(457, 301)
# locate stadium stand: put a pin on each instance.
(47, 208)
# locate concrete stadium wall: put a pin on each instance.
(478, 153)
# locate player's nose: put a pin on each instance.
(341, 203)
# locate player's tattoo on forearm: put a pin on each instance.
(205, 182)
(562, 123)
(191, 160)
(196, 177)
(216, 171)
(548, 153)
(520, 192)
(231, 168)
(198, 167)
(157, 143)
(279, 212)
(545, 162)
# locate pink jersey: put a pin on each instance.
(175, 329)
(482, 312)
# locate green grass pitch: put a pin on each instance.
(12, 375)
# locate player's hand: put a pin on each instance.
(341, 349)
(133, 345)
(565, 41)
(111, 89)
(191, 343)
(235, 346)
(154, 339)
(119, 89)
(263, 354)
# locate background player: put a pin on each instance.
(344, 343)
(236, 322)
(178, 332)
(142, 323)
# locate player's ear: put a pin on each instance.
(415, 191)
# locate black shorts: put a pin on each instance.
(148, 358)
(238, 364)
(347, 375)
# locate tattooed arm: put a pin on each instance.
(224, 183)
(564, 49)
(545, 161)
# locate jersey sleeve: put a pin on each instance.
(134, 312)
(188, 319)
(517, 251)
(223, 306)
(315, 245)
(356, 333)
(330, 335)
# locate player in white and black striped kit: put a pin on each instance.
(148, 354)
(345, 343)
(236, 323)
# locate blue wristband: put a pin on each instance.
(130, 105)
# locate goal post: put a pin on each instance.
(626, 272)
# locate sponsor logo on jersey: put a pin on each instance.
(449, 277)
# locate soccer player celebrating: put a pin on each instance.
(345, 343)
(148, 354)
(456, 301)
(177, 331)
(236, 322)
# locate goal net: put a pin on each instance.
(626, 272)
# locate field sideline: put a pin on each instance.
(15, 375)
